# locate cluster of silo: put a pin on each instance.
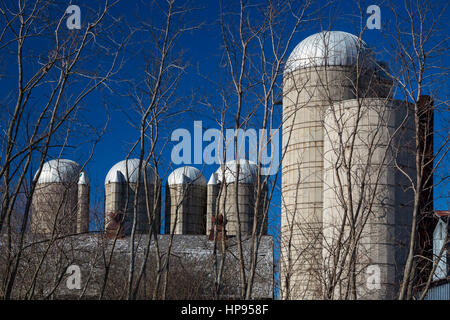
(326, 77)
(132, 197)
(192, 204)
(60, 203)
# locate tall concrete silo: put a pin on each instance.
(120, 194)
(60, 202)
(378, 136)
(185, 202)
(324, 68)
(226, 196)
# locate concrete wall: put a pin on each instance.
(192, 262)
(120, 198)
(83, 208)
(360, 145)
(211, 200)
(54, 207)
(246, 206)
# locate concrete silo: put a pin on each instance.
(226, 196)
(83, 204)
(121, 185)
(364, 143)
(185, 202)
(211, 200)
(325, 68)
(61, 199)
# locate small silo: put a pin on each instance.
(246, 194)
(121, 184)
(60, 202)
(83, 204)
(185, 202)
(212, 193)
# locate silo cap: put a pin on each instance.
(59, 171)
(213, 179)
(186, 175)
(330, 48)
(129, 169)
(117, 177)
(248, 172)
(84, 179)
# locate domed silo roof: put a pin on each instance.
(83, 179)
(329, 48)
(213, 179)
(248, 172)
(119, 171)
(117, 177)
(186, 175)
(59, 171)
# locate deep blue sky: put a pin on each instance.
(203, 50)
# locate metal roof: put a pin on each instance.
(84, 179)
(439, 292)
(442, 213)
(191, 254)
(330, 48)
(248, 172)
(133, 170)
(60, 170)
(213, 179)
(186, 175)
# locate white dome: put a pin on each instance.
(117, 177)
(119, 172)
(84, 179)
(331, 48)
(213, 179)
(60, 170)
(248, 172)
(186, 175)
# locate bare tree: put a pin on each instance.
(256, 40)
(154, 95)
(420, 46)
(44, 109)
(367, 139)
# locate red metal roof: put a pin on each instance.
(442, 213)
